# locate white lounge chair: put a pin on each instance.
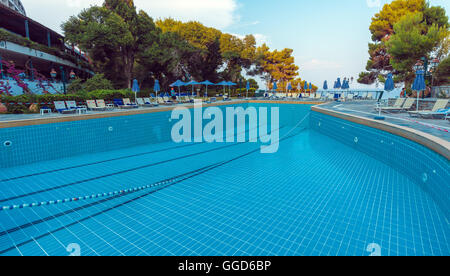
(92, 105)
(439, 105)
(102, 104)
(150, 101)
(397, 107)
(141, 102)
(61, 107)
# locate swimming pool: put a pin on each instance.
(333, 188)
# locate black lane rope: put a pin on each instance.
(108, 175)
(199, 172)
(160, 183)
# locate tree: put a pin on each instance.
(97, 82)
(253, 83)
(413, 39)
(442, 74)
(112, 35)
(275, 65)
(205, 57)
(382, 30)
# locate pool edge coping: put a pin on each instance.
(111, 114)
(432, 142)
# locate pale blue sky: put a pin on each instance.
(329, 37)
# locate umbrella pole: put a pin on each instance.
(418, 97)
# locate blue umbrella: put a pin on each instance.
(310, 86)
(207, 83)
(178, 84)
(305, 87)
(135, 88)
(223, 83)
(289, 87)
(338, 83)
(325, 85)
(275, 86)
(344, 84)
(247, 87)
(230, 83)
(419, 85)
(192, 83)
(389, 84)
(156, 88)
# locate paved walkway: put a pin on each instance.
(438, 128)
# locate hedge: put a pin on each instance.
(20, 104)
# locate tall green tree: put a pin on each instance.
(112, 35)
(412, 40)
(382, 30)
(275, 65)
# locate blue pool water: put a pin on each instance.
(323, 193)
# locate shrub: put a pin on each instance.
(20, 104)
(76, 86)
(97, 82)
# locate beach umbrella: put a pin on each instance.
(247, 87)
(207, 83)
(224, 84)
(230, 83)
(275, 87)
(135, 88)
(178, 84)
(338, 83)
(325, 85)
(157, 87)
(305, 87)
(192, 83)
(388, 85)
(310, 86)
(289, 87)
(419, 85)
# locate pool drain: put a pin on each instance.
(7, 143)
(356, 140)
(110, 129)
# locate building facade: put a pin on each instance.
(32, 54)
(15, 5)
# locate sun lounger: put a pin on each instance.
(141, 102)
(102, 104)
(439, 105)
(120, 104)
(149, 101)
(92, 105)
(127, 102)
(167, 99)
(441, 114)
(61, 107)
(397, 107)
(73, 106)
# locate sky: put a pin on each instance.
(329, 38)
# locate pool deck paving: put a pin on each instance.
(366, 109)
